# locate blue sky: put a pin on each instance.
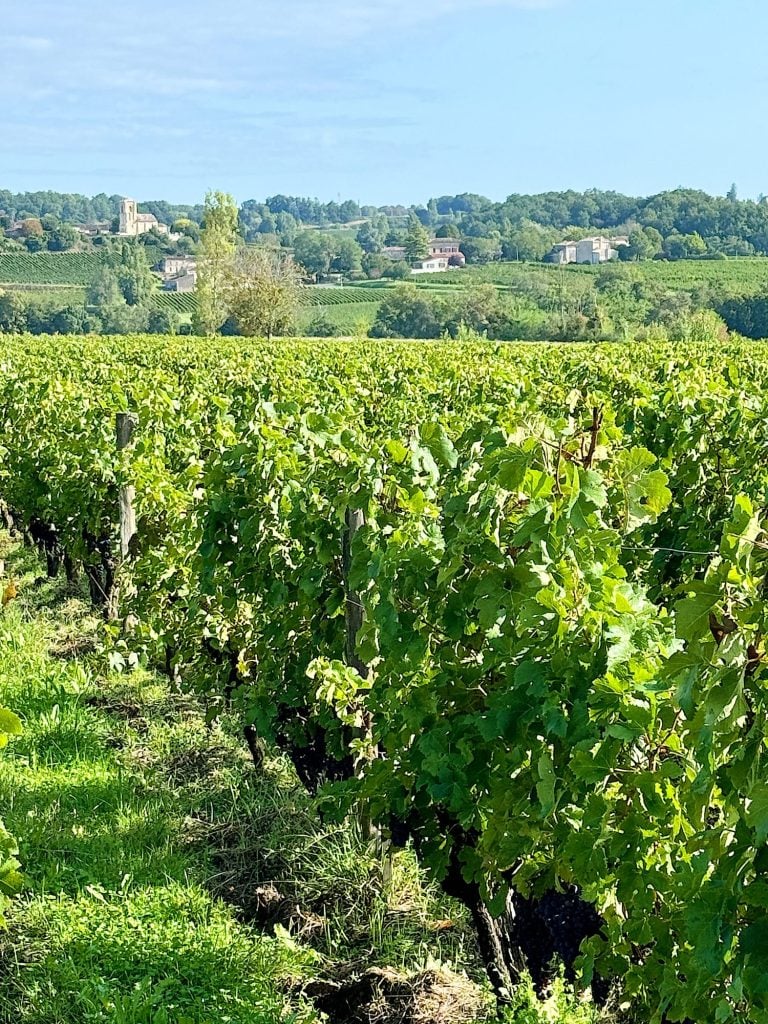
(384, 100)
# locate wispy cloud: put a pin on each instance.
(130, 48)
(346, 20)
(26, 44)
(304, 88)
(168, 84)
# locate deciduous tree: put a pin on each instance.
(313, 251)
(347, 257)
(261, 291)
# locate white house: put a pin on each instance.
(450, 248)
(432, 265)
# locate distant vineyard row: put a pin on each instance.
(347, 317)
(723, 277)
(335, 296)
(177, 302)
(76, 268)
(345, 302)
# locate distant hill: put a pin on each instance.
(688, 222)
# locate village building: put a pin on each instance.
(444, 254)
(171, 266)
(184, 282)
(395, 252)
(133, 223)
(432, 265)
(450, 247)
(90, 230)
(587, 250)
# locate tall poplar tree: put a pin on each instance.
(218, 243)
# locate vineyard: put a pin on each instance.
(50, 295)
(527, 301)
(502, 606)
(183, 303)
(66, 268)
(345, 307)
(348, 317)
(311, 298)
(335, 296)
(724, 277)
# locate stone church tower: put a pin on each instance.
(133, 223)
(129, 217)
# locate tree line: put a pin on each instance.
(676, 224)
(256, 290)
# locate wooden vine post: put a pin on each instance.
(126, 423)
(353, 616)
(126, 427)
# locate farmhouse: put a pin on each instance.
(133, 223)
(587, 250)
(171, 266)
(450, 247)
(432, 265)
(444, 253)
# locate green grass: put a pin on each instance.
(119, 923)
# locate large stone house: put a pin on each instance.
(133, 223)
(173, 265)
(450, 248)
(444, 254)
(587, 250)
(179, 273)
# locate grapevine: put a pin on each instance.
(556, 686)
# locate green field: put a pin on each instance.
(735, 276)
(183, 303)
(334, 296)
(345, 307)
(347, 316)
